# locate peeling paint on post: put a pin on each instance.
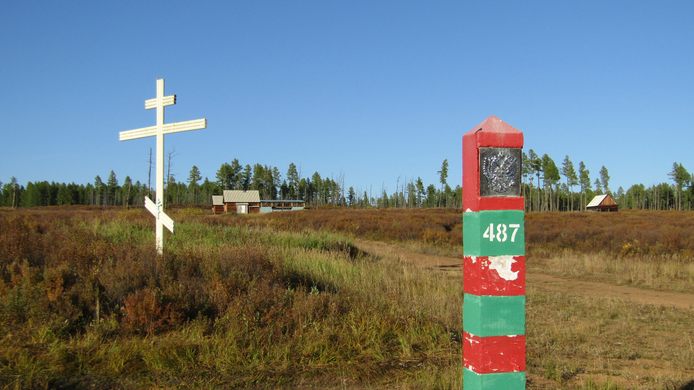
(494, 258)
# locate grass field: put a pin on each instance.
(292, 300)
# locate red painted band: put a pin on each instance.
(482, 276)
(485, 355)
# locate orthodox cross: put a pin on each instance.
(159, 102)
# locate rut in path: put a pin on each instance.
(451, 265)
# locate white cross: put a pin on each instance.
(159, 102)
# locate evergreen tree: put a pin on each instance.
(98, 190)
(605, 179)
(569, 173)
(293, 181)
(351, 197)
(598, 187)
(193, 179)
(317, 188)
(225, 176)
(681, 177)
(127, 191)
(111, 186)
(420, 191)
(443, 178)
(584, 182)
(535, 166)
(246, 178)
(551, 178)
(236, 177)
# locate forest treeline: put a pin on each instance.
(546, 186)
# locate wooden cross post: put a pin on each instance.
(159, 102)
(493, 258)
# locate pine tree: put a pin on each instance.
(598, 187)
(225, 176)
(551, 178)
(681, 177)
(535, 166)
(605, 179)
(351, 197)
(111, 186)
(584, 182)
(293, 181)
(246, 178)
(193, 179)
(235, 176)
(569, 173)
(420, 191)
(127, 188)
(443, 178)
(98, 190)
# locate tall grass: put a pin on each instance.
(662, 273)
(250, 302)
(87, 301)
(640, 248)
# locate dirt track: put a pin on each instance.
(538, 280)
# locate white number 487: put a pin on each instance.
(501, 233)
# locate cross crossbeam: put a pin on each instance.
(165, 101)
(158, 211)
(158, 131)
(195, 124)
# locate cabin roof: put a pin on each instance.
(218, 200)
(605, 200)
(597, 200)
(239, 196)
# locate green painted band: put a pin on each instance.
(494, 233)
(487, 315)
(503, 380)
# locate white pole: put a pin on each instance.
(160, 165)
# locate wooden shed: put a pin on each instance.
(217, 204)
(269, 206)
(241, 202)
(602, 203)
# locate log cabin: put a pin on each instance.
(602, 203)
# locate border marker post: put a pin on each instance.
(493, 258)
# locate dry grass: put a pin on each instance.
(641, 248)
(626, 233)
(260, 301)
(227, 306)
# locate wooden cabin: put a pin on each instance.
(218, 204)
(241, 202)
(248, 202)
(602, 203)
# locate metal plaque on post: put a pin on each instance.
(500, 171)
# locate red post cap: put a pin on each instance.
(491, 133)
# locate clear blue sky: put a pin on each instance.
(371, 90)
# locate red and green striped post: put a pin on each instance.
(494, 258)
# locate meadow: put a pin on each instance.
(292, 300)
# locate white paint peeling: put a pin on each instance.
(473, 259)
(468, 210)
(502, 265)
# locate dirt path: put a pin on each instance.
(451, 265)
